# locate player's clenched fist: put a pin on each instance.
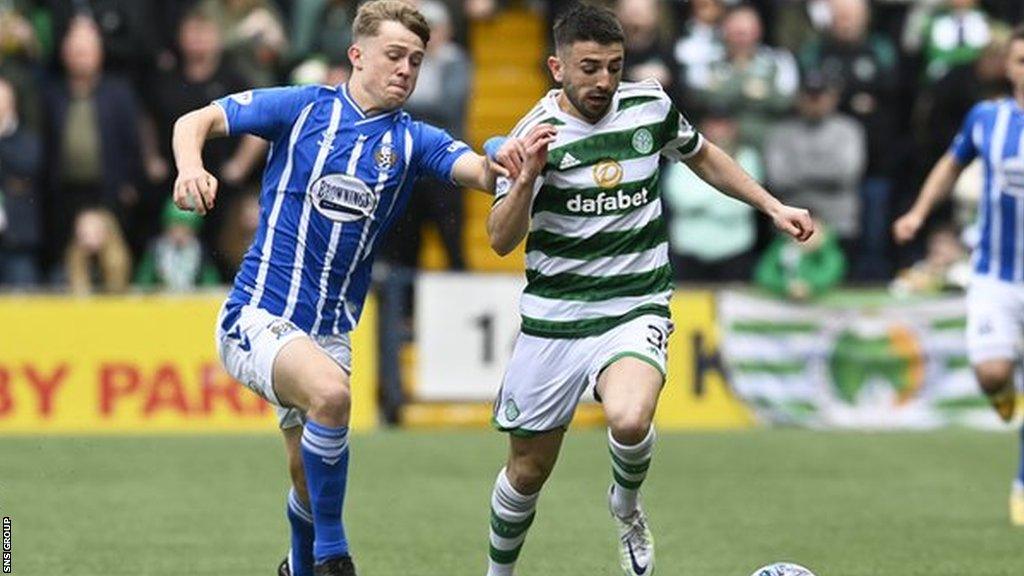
(794, 221)
(195, 189)
(906, 227)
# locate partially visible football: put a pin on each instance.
(782, 569)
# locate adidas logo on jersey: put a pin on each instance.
(605, 203)
(568, 161)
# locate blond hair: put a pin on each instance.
(373, 13)
(111, 255)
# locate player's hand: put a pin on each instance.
(510, 158)
(195, 189)
(794, 221)
(905, 227)
(537, 142)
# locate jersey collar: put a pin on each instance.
(363, 118)
(551, 103)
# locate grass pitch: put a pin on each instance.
(721, 504)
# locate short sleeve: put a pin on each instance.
(266, 112)
(436, 152)
(681, 139)
(966, 142)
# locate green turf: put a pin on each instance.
(720, 504)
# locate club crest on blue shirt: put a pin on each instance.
(342, 198)
(385, 157)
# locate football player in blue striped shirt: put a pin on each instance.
(341, 165)
(994, 132)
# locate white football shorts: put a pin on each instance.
(546, 377)
(249, 339)
(995, 320)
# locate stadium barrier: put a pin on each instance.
(857, 359)
(466, 326)
(147, 364)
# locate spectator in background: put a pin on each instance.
(801, 271)
(201, 75)
(647, 54)
(237, 230)
(320, 71)
(128, 29)
(169, 13)
(91, 143)
(176, 260)
(254, 37)
(799, 22)
(944, 267)
(442, 92)
(699, 44)
(97, 257)
(481, 9)
(20, 156)
(817, 160)
(20, 51)
(941, 106)
(18, 38)
(954, 34)
(321, 29)
(865, 66)
(757, 81)
(711, 236)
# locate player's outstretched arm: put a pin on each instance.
(474, 171)
(716, 168)
(195, 188)
(509, 220)
(939, 182)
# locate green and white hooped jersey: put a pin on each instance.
(597, 250)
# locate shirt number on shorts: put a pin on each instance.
(657, 337)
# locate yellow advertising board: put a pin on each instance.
(696, 394)
(142, 364)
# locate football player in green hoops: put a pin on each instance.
(595, 311)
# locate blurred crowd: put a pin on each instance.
(840, 106)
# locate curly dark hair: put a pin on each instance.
(584, 22)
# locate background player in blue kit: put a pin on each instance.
(993, 131)
(341, 165)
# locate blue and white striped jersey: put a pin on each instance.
(334, 183)
(994, 130)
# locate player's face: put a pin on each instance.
(1015, 64)
(388, 64)
(590, 74)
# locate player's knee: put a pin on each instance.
(527, 475)
(330, 399)
(335, 400)
(994, 376)
(630, 424)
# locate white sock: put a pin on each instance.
(629, 468)
(511, 516)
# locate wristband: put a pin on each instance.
(492, 146)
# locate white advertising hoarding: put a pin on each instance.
(466, 325)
